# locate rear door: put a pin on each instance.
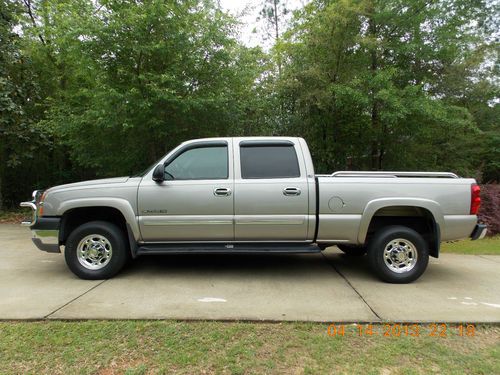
(272, 199)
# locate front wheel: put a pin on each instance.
(398, 254)
(96, 250)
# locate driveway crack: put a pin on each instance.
(73, 300)
(491, 260)
(353, 288)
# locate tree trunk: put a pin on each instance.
(277, 33)
(376, 154)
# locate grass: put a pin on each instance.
(486, 246)
(144, 347)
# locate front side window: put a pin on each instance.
(201, 163)
(269, 161)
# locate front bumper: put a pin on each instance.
(45, 230)
(46, 234)
(479, 232)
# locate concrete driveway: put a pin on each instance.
(328, 287)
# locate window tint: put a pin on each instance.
(273, 161)
(203, 163)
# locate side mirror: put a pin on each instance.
(159, 173)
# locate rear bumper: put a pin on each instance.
(479, 232)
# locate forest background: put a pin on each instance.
(96, 88)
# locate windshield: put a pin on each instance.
(141, 174)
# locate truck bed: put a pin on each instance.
(349, 200)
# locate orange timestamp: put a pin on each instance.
(403, 330)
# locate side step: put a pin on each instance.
(224, 248)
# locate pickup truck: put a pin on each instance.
(255, 195)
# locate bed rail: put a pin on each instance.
(390, 174)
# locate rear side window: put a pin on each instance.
(269, 161)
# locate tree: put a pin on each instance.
(105, 87)
(273, 13)
(368, 82)
(19, 138)
(133, 79)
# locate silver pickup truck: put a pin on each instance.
(255, 195)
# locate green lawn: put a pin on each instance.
(486, 246)
(141, 347)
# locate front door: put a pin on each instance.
(195, 202)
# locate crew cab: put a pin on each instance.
(255, 195)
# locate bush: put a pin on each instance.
(489, 212)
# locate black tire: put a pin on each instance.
(353, 250)
(387, 272)
(114, 240)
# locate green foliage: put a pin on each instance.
(144, 75)
(384, 84)
(19, 94)
(272, 13)
(94, 88)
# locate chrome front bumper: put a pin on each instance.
(33, 204)
(46, 240)
(45, 230)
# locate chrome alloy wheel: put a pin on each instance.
(400, 255)
(94, 251)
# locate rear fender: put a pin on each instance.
(373, 206)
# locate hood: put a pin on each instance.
(102, 181)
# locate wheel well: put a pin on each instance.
(75, 217)
(419, 219)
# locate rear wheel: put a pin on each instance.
(353, 250)
(398, 254)
(96, 250)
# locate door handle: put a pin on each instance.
(291, 191)
(222, 192)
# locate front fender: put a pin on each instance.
(120, 204)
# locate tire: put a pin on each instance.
(96, 250)
(352, 250)
(407, 254)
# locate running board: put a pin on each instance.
(223, 248)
